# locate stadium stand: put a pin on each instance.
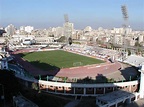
(135, 60)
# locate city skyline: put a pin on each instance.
(94, 13)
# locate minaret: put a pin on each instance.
(141, 91)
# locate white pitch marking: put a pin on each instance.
(73, 67)
(93, 67)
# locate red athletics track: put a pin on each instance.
(91, 71)
(74, 72)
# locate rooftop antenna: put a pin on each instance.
(125, 17)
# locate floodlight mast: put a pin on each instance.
(124, 12)
(67, 29)
(66, 18)
(125, 17)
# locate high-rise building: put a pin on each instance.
(10, 29)
(68, 29)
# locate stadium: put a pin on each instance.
(69, 62)
(84, 72)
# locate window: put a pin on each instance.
(51, 86)
(99, 88)
(69, 87)
(79, 89)
(109, 88)
(90, 89)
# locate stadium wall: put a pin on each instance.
(77, 89)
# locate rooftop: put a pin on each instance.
(113, 96)
(21, 101)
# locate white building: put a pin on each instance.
(44, 39)
(128, 30)
(118, 30)
(132, 42)
(10, 30)
(118, 39)
(68, 29)
(141, 38)
(59, 32)
(24, 39)
(29, 29)
(22, 28)
(88, 29)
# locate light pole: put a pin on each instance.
(125, 17)
(3, 97)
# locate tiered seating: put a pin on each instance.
(135, 60)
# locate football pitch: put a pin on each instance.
(50, 60)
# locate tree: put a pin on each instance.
(137, 44)
(129, 52)
(6, 41)
(70, 40)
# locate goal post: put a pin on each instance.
(75, 64)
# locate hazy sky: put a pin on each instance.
(50, 13)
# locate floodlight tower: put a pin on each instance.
(66, 18)
(125, 25)
(68, 28)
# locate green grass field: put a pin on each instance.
(49, 60)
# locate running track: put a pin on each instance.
(74, 72)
